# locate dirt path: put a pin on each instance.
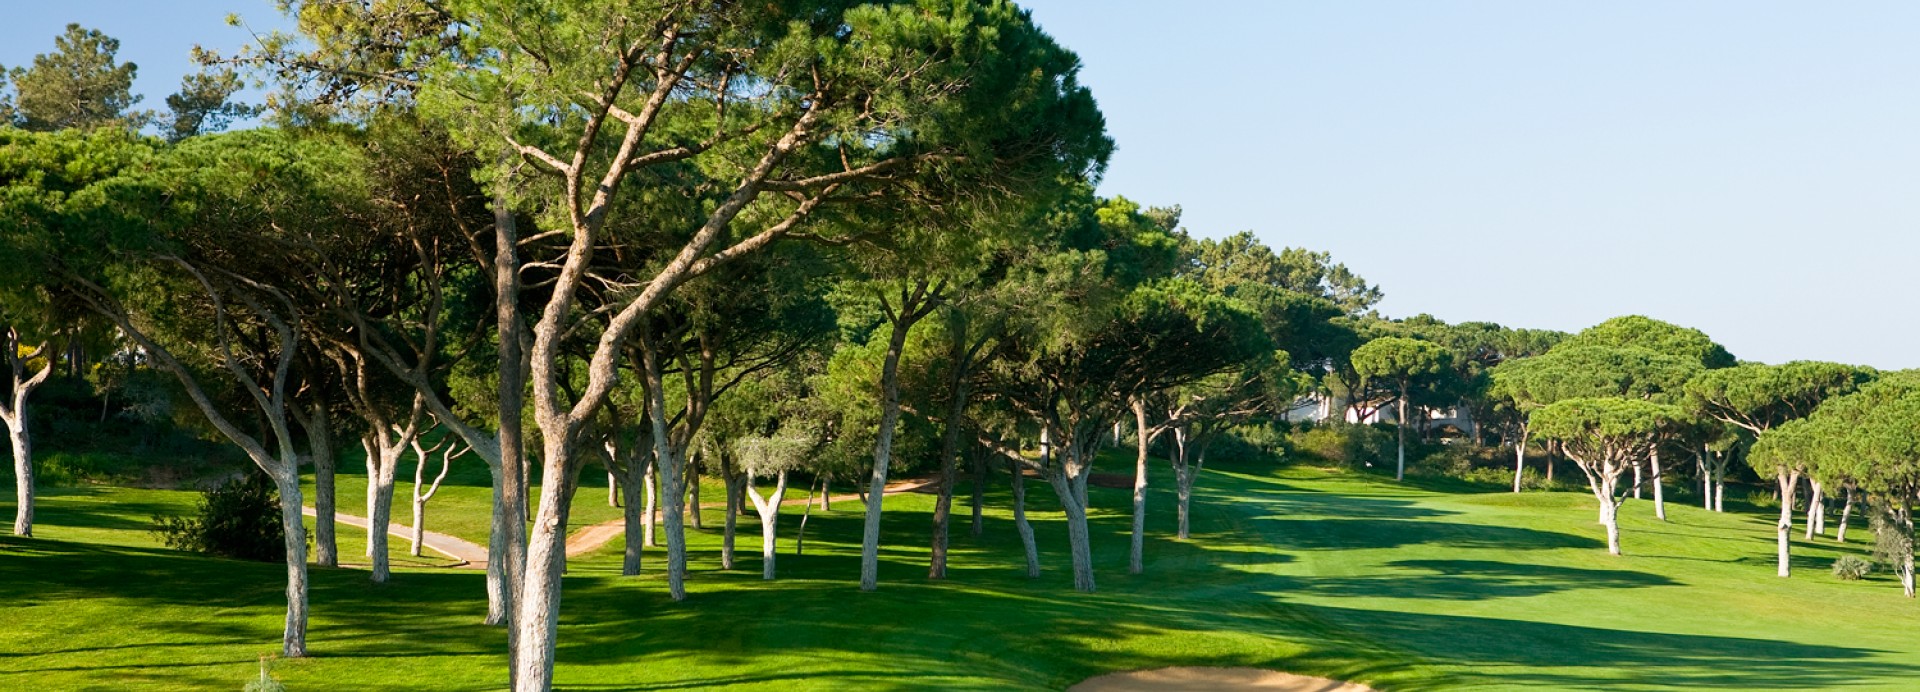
(470, 555)
(591, 538)
(1199, 679)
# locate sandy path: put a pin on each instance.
(470, 555)
(591, 538)
(1199, 679)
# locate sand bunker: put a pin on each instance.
(1200, 679)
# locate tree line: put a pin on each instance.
(767, 242)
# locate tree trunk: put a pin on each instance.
(1903, 563)
(1519, 458)
(769, 509)
(1020, 523)
(979, 491)
(883, 451)
(381, 460)
(293, 638)
(800, 537)
(1400, 427)
(1077, 534)
(1846, 511)
(671, 478)
(826, 493)
(949, 462)
(648, 517)
(1816, 509)
(22, 446)
(732, 519)
(634, 525)
(1659, 494)
(326, 548)
(507, 535)
(693, 492)
(1136, 560)
(613, 490)
(1610, 517)
(1636, 480)
(1183, 474)
(1787, 481)
(538, 608)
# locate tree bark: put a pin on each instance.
(1519, 458)
(769, 510)
(1077, 534)
(1816, 508)
(1400, 427)
(635, 526)
(1659, 495)
(1846, 511)
(1788, 482)
(800, 537)
(693, 492)
(732, 520)
(1136, 560)
(1903, 521)
(320, 444)
(293, 638)
(883, 448)
(22, 446)
(649, 517)
(1020, 523)
(949, 451)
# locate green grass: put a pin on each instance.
(1412, 587)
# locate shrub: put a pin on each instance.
(1851, 567)
(1763, 499)
(1345, 444)
(266, 682)
(239, 518)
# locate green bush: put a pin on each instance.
(239, 518)
(1345, 444)
(1851, 567)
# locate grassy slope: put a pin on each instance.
(1300, 569)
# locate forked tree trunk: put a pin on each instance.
(1788, 482)
(1136, 560)
(769, 510)
(382, 457)
(14, 417)
(1519, 458)
(420, 498)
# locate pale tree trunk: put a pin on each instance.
(293, 639)
(613, 490)
(1706, 478)
(1182, 481)
(1788, 483)
(1400, 445)
(1610, 518)
(1659, 494)
(1519, 458)
(537, 615)
(1077, 534)
(1636, 480)
(420, 499)
(769, 510)
(1903, 522)
(826, 493)
(1136, 560)
(1603, 478)
(22, 446)
(382, 456)
(883, 449)
(647, 517)
(1816, 508)
(14, 416)
(1846, 511)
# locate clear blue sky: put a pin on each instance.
(1749, 168)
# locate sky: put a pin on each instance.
(1748, 168)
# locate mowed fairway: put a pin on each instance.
(1297, 569)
